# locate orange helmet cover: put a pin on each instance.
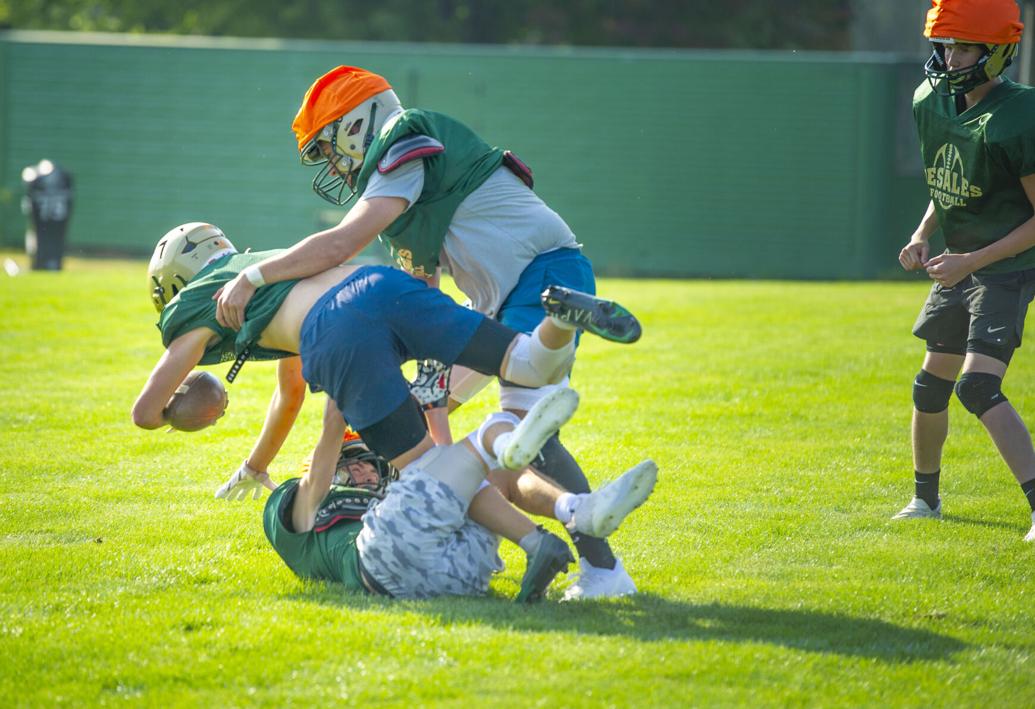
(332, 96)
(979, 21)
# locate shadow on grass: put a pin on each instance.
(648, 617)
(980, 522)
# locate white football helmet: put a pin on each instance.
(180, 254)
(345, 143)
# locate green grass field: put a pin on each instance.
(769, 571)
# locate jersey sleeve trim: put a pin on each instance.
(406, 149)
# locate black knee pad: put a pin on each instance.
(979, 392)
(931, 394)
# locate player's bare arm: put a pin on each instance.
(280, 417)
(437, 417)
(182, 355)
(950, 269)
(317, 481)
(317, 252)
(253, 474)
(914, 254)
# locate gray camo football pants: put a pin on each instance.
(419, 543)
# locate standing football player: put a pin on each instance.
(977, 137)
(439, 196)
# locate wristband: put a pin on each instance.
(252, 472)
(254, 276)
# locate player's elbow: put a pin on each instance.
(146, 417)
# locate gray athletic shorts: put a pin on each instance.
(419, 543)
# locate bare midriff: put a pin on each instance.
(283, 331)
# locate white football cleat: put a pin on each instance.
(599, 513)
(542, 421)
(1030, 536)
(595, 582)
(918, 509)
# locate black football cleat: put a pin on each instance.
(551, 558)
(604, 318)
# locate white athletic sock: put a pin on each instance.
(565, 506)
(563, 324)
(501, 442)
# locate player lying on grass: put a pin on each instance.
(362, 478)
(410, 538)
(353, 327)
(367, 476)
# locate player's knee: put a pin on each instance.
(979, 392)
(532, 364)
(931, 394)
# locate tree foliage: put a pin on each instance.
(762, 24)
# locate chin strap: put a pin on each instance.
(238, 363)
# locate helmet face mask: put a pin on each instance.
(956, 82)
(992, 25)
(178, 257)
(360, 467)
(340, 146)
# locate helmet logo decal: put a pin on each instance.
(947, 181)
(180, 255)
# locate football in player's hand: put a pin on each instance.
(198, 403)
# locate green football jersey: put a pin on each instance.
(329, 555)
(415, 237)
(193, 307)
(973, 162)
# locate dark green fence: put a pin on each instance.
(665, 163)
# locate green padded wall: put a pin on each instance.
(665, 163)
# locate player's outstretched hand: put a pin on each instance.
(231, 300)
(914, 255)
(242, 482)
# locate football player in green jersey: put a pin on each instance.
(352, 328)
(441, 198)
(977, 138)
